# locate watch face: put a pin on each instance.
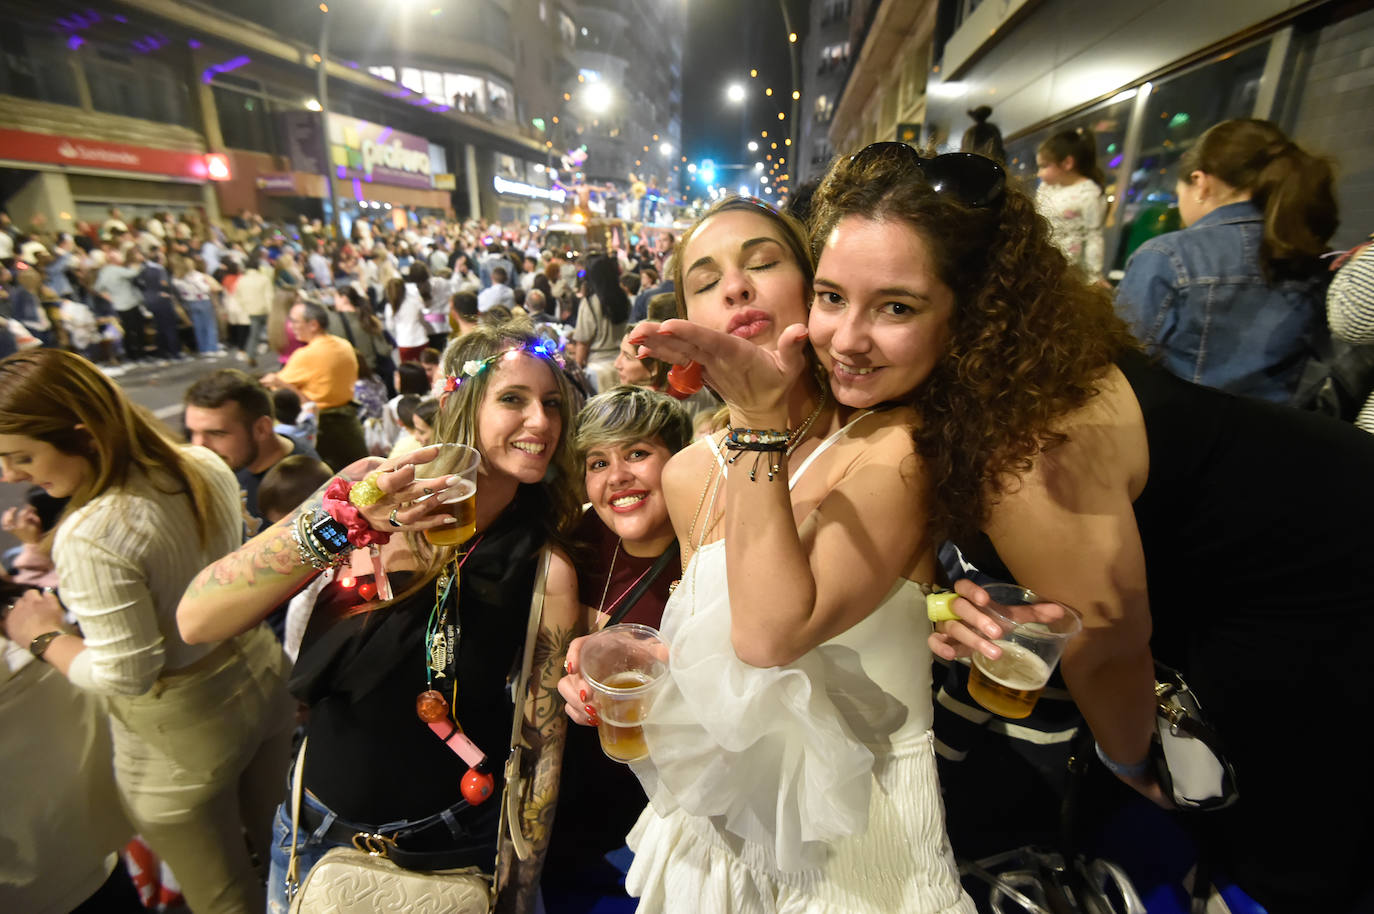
(332, 534)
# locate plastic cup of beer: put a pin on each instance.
(460, 498)
(1010, 685)
(624, 665)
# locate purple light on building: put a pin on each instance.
(118, 18)
(382, 137)
(192, 43)
(357, 190)
(75, 42)
(232, 63)
(342, 172)
(1114, 162)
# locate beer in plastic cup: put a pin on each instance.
(624, 665)
(1010, 685)
(460, 498)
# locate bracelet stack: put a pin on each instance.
(772, 442)
(312, 551)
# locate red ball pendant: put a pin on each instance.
(477, 786)
(367, 590)
(431, 706)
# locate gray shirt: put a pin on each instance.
(117, 284)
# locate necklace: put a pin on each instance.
(601, 614)
(433, 709)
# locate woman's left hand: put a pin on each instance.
(34, 613)
(752, 380)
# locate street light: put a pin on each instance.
(665, 149)
(597, 98)
(753, 146)
(735, 93)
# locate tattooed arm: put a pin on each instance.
(241, 589)
(542, 735)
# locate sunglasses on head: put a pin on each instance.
(975, 181)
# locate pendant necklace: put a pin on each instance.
(442, 634)
(601, 614)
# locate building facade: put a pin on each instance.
(462, 109)
(1148, 80)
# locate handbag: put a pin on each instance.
(1186, 752)
(363, 879)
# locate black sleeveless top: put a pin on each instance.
(371, 759)
(1257, 522)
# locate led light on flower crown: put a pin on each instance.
(347, 581)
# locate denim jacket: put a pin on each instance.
(1199, 300)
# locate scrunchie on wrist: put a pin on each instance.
(336, 504)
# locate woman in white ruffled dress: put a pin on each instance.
(791, 766)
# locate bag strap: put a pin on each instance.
(293, 881)
(511, 799)
(627, 602)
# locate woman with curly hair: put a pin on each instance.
(791, 765)
(1061, 457)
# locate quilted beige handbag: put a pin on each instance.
(362, 880)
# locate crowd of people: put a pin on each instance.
(914, 384)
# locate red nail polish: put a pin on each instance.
(582, 695)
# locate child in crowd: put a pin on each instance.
(1072, 197)
(294, 418)
(282, 491)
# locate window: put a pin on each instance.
(833, 57)
(142, 87)
(413, 79)
(464, 92)
(499, 98)
(1176, 114)
(434, 87)
(386, 73)
(34, 64)
(824, 109)
(244, 120)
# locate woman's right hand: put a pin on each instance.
(752, 380)
(576, 692)
(978, 626)
(418, 503)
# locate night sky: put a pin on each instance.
(725, 38)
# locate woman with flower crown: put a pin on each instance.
(367, 664)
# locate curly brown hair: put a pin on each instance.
(1029, 337)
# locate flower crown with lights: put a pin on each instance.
(541, 348)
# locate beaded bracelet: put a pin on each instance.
(757, 439)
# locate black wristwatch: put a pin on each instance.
(39, 646)
(330, 534)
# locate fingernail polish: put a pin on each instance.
(582, 695)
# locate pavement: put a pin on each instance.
(159, 387)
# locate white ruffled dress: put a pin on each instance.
(809, 787)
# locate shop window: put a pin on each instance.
(386, 73)
(142, 87)
(244, 120)
(34, 64)
(434, 87)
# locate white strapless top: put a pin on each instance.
(783, 757)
